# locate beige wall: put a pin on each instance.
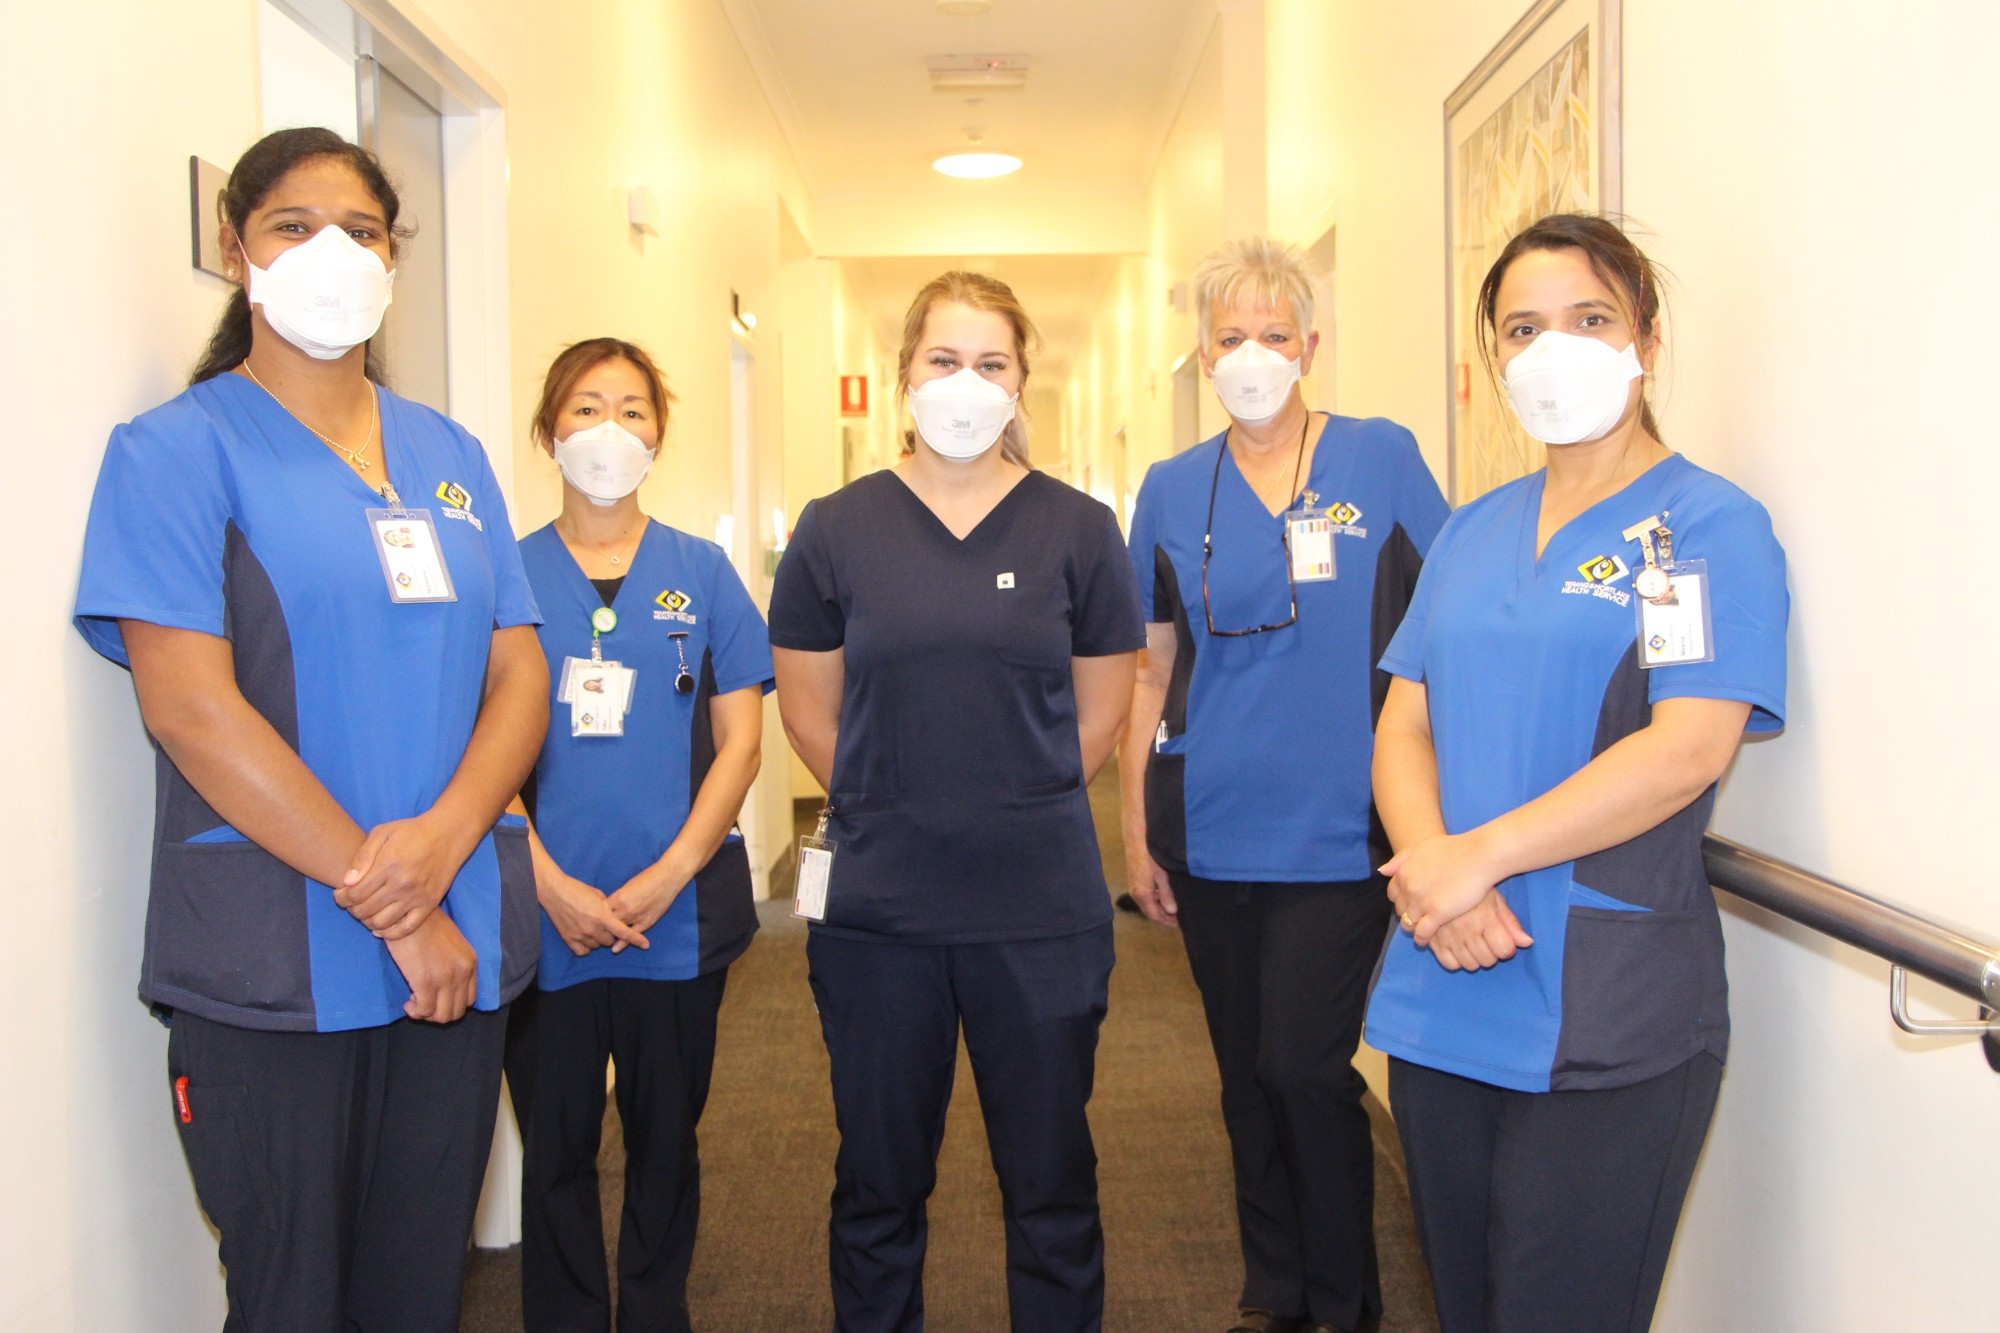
(1810, 176)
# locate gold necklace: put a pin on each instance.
(354, 457)
(598, 548)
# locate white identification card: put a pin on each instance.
(815, 868)
(406, 543)
(1676, 629)
(1309, 533)
(599, 695)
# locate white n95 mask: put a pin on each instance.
(1253, 382)
(961, 415)
(1568, 389)
(606, 462)
(326, 296)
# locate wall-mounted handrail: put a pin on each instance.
(1905, 939)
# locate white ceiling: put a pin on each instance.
(850, 86)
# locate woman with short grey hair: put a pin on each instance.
(1274, 562)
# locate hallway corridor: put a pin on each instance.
(768, 1143)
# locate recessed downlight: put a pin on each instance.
(981, 165)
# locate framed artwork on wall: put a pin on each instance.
(1533, 130)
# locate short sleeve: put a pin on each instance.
(806, 614)
(1420, 505)
(740, 648)
(159, 520)
(513, 599)
(1405, 654)
(1749, 608)
(1106, 618)
(1145, 526)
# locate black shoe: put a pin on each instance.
(1125, 902)
(1263, 1321)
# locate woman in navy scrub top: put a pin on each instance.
(315, 586)
(1586, 648)
(644, 883)
(955, 641)
(1245, 768)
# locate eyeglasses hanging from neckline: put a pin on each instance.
(1284, 544)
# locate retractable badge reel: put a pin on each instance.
(406, 544)
(1676, 627)
(599, 693)
(815, 869)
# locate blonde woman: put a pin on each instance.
(954, 646)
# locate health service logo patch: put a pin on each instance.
(671, 600)
(454, 495)
(1344, 514)
(1603, 569)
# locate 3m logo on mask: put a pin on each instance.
(458, 503)
(1599, 573)
(673, 605)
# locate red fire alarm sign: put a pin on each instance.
(854, 395)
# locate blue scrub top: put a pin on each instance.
(959, 805)
(1531, 669)
(218, 512)
(1263, 773)
(606, 807)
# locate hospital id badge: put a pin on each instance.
(600, 695)
(1309, 537)
(1676, 628)
(815, 870)
(406, 543)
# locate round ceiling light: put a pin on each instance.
(963, 6)
(979, 164)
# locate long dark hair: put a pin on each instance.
(256, 174)
(1618, 264)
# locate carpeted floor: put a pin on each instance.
(768, 1141)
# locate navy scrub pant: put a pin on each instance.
(1283, 971)
(342, 1168)
(1550, 1212)
(661, 1037)
(890, 1014)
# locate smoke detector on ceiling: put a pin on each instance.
(978, 74)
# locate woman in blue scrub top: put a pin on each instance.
(1586, 648)
(1245, 768)
(317, 592)
(955, 641)
(658, 663)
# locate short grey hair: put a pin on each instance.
(1256, 271)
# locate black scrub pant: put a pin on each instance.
(342, 1168)
(661, 1036)
(890, 1015)
(1283, 971)
(1550, 1212)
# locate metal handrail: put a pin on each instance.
(1907, 941)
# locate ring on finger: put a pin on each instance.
(1409, 922)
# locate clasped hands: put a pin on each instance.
(1443, 889)
(587, 918)
(400, 874)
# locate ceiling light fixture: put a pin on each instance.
(979, 164)
(978, 73)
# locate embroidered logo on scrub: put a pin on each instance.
(673, 605)
(1599, 573)
(1344, 516)
(458, 503)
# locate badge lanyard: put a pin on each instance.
(815, 869)
(599, 693)
(406, 544)
(1676, 625)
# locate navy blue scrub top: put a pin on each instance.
(958, 795)
(1531, 669)
(1262, 776)
(218, 512)
(606, 807)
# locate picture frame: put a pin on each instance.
(1533, 129)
